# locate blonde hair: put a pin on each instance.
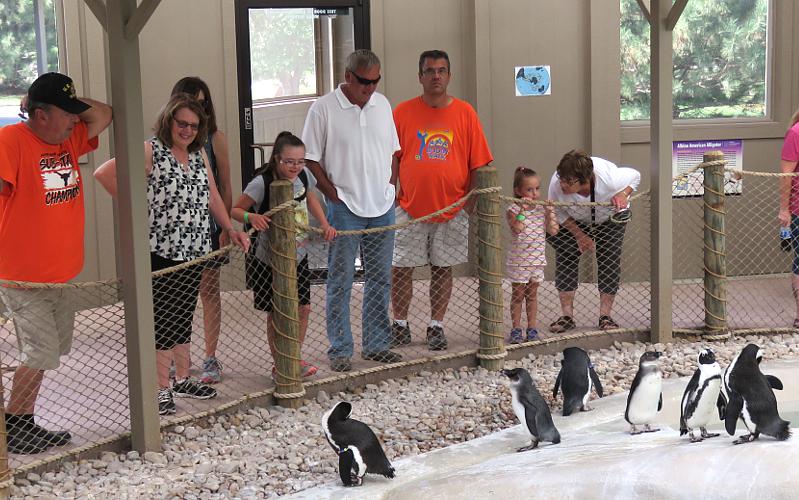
(519, 175)
(794, 119)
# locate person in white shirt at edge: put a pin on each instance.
(350, 141)
(582, 178)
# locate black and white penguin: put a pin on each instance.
(575, 379)
(702, 398)
(530, 408)
(359, 451)
(646, 397)
(751, 398)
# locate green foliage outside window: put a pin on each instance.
(719, 60)
(18, 44)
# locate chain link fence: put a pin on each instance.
(335, 312)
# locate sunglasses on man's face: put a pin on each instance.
(365, 81)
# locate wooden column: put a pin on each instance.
(285, 307)
(489, 264)
(715, 247)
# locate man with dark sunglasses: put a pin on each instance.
(350, 140)
(442, 143)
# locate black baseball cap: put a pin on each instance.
(58, 90)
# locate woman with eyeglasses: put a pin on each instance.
(216, 148)
(580, 178)
(287, 162)
(180, 193)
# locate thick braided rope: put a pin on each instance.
(723, 300)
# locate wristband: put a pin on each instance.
(246, 217)
(520, 217)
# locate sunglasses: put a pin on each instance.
(365, 81)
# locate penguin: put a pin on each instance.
(530, 408)
(359, 451)
(576, 378)
(702, 398)
(751, 398)
(645, 398)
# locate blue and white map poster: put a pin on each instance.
(533, 80)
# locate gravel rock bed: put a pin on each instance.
(269, 452)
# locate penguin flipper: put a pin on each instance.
(557, 384)
(346, 459)
(774, 382)
(734, 407)
(660, 402)
(721, 404)
(597, 384)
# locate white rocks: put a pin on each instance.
(155, 458)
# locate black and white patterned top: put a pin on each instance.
(177, 205)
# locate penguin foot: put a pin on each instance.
(748, 438)
(706, 434)
(532, 446)
(649, 429)
(586, 408)
(355, 480)
(696, 439)
(634, 431)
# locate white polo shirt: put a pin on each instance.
(354, 145)
(609, 180)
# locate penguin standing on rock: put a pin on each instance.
(530, 408)
(645, 399)
(702, 397)
(575, 379)
(359, 450)
(751, 398)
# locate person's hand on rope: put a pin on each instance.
(552, 226)
(328, 232)
(258, 221)
(238, 238)
(785, 217)
(621, 200)
(224, 239)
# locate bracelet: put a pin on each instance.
(246, 217)
(520, 217)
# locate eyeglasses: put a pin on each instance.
(292, 163)
(436, 71)
(569, 182)
(203, 103)
(182, 124)
(365, 81)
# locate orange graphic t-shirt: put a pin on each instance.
(439, 149)
(41, 205)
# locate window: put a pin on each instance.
(294, 51)
(720, 54)
(29, 45)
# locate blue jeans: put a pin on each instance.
(377, 249)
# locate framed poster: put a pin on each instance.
(686, 155)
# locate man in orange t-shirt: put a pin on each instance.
(441, 142)
(41, 238)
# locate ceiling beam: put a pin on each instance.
(675, 13)
(644, 5)
(98, 9)
(139, 18)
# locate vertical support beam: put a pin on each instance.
(489, 265)
(133, 250)
(283, 257)
(605, 87)
(660, 173)
(5, 473)
(40, 28)
(715, 248)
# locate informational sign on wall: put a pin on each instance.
(686, 155)
(533, 80)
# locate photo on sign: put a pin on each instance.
(533, 80)
(686, 155)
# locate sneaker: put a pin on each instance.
(340, 364)
(516, 336)
(25, 424)
(308, 370)
(23, 442)
(607, 323)
(189, 388)
(532, 334)
(212, 371)
(382, 356)
(562, 324)
(166, 405)
(172, 373)
(400, 335)
(436, 341)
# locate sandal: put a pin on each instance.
(562, 324)
(607, 323)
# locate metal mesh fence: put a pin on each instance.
(212, 317)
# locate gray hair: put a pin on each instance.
(361, 58)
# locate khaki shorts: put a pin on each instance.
(442, 244)
(44, 319)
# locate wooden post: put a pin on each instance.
(715, 250)
(489, 266)
(283, 259)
